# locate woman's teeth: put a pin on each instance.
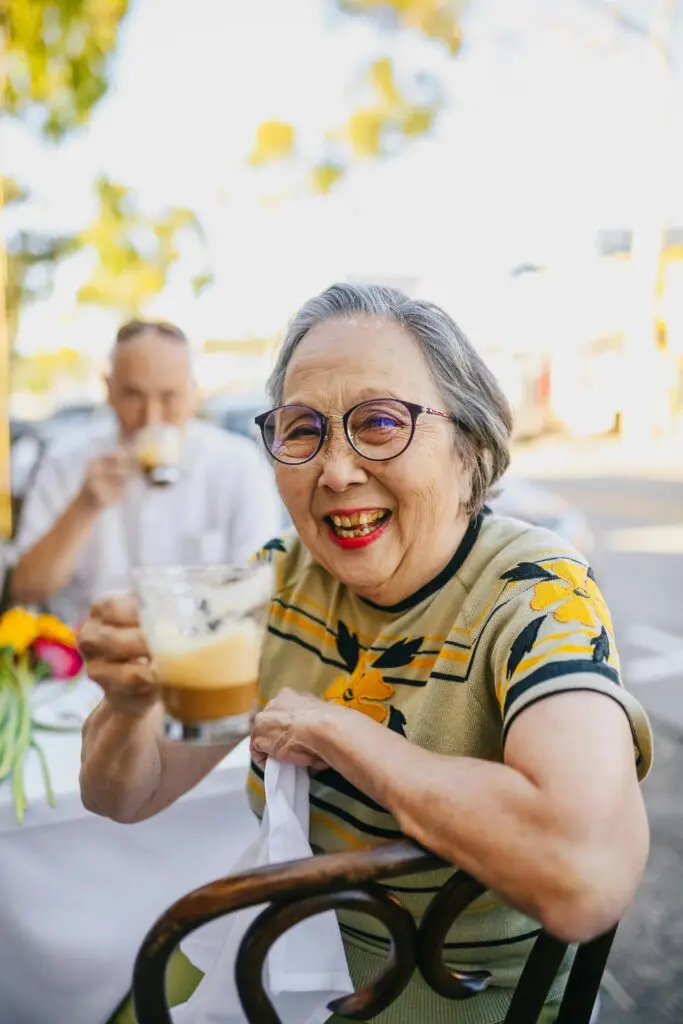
(359, 524)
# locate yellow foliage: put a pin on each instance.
(324, 177)
(58, 59)
(274, 141)
(382, 78)
(365, 131)
(436, 19)
(418, 120)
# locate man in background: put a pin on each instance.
(91, 517)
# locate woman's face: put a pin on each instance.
(420, 494)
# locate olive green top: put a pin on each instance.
(515, 617)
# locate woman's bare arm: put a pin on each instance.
(130, 771)
(558, 831)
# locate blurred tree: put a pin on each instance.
(57, 57)
(274, 140)
(435, 19)
(30, 258)
(58, 65)
(39, 372)
(134, 252)
(395, 114)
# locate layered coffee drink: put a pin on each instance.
(157, 450)
(204, 628)
(207, 678)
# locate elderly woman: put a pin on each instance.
(448, 675)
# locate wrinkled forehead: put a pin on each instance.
(340, 362)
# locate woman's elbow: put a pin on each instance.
(117, 806)
(598, 894)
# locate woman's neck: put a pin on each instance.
(421, 565)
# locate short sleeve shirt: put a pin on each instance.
(515, 617)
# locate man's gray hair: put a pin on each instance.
(469, 389)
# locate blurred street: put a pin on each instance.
(637, 517)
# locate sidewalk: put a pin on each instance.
(644, 984)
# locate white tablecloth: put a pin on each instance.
(78, 892)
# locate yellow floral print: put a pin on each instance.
(576, 595)
(362, 690)
(18, 630)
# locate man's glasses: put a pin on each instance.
(379, 429)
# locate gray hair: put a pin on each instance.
(469, 389)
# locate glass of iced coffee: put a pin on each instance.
(157, 450)
(204, 628)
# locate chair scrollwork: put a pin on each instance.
(301, 889)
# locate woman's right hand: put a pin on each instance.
(116, 655)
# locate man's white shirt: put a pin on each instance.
(224, 507)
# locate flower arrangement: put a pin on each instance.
(33, 648)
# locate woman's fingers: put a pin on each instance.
(257, 756)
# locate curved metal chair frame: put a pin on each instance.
(301, 889)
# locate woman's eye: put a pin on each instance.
(302, 431)
(381, 423)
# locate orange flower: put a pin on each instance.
(51, 628)
(576, 595)
(363, 690)
(18, 630)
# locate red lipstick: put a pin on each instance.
(355, 543)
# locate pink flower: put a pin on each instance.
(64, 662)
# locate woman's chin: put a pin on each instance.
(364, 570)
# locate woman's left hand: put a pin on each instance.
(287, 729)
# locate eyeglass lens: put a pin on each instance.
(378, 429)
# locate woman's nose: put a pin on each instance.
(341, 467)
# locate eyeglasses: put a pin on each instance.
(379, 429)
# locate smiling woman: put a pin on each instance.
(436, 666)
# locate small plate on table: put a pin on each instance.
(64, 705)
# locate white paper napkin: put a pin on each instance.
(306, 968)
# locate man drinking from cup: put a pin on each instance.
(151, 486)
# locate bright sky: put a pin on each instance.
(545, 139)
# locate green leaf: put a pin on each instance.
(18, 790)
(45, 772)
(10, 735)
(42, 672)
